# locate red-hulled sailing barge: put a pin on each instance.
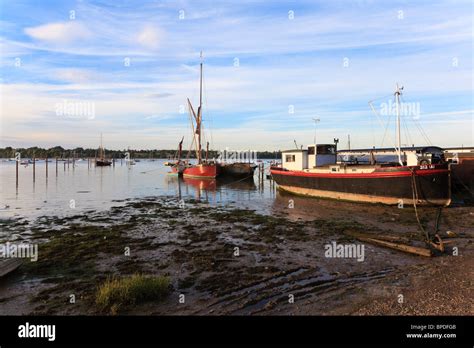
(204, 168)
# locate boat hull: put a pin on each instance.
(238, 169)
(204, 171)
(177, 168)
(463, 176)
(103, 163)
(388, 186)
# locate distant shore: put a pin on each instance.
(79, 152)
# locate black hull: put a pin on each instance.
(463, 177)
(388, 186)
(237, 170)
(103, 163)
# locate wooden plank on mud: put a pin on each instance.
(397, 246)
(385, 237)
(9, 265)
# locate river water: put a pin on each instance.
(76, 189)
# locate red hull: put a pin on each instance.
(202, 171)
(201, 184)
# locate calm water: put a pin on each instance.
(77, 189)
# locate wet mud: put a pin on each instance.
(230, 261)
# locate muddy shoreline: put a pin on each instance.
(233, 261)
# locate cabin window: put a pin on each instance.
(311, 150)
(290, 158)
(326, 149)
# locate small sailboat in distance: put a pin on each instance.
(102, 161)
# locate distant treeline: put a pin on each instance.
(79, 152)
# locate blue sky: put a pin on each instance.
(270, 68)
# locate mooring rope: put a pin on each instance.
(415, 199)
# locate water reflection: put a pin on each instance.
(99, 188)
(211, 189)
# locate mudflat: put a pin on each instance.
(225, 260)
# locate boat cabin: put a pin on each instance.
(326, 155)
(424, 155)
(315, 155)
(411, 156)
(294, 159)
(321, 155)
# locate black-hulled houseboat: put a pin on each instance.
(315, 171)
(418, 175)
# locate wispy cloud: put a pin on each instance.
(59, 33)
(137, 62)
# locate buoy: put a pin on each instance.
(451, 234)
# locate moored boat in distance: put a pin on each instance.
(102, 161)
(419, 176)
(177, 165)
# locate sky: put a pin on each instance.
(71, 70)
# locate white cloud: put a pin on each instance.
(60, 32)
(150, 37)
(75, 75)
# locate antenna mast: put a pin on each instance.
(397, 100)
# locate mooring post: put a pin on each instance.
(113, 162)
(68, 163)
(34, 168)
(56, 166)
(17, 163)
(46, 167)
(88, 163)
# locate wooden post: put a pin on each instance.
(46, 167)
(68, 163)
(88, 163)
(17, 163)
(56, 166)
(34, 168)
